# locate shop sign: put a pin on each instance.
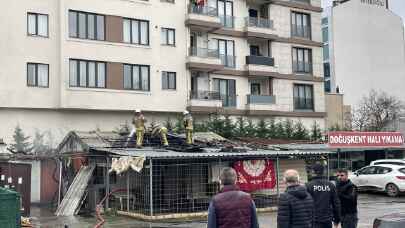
(339, 139)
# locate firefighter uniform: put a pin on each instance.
(162, 132)
(188, 125)
(139, 123)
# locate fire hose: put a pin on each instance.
(99, 206)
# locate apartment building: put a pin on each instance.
(86, 65)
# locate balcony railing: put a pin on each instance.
(261, 99)
(259, 22)
(301, 31)
(205, 95)
(227, 21)
(260, 60)
(228, 60)
(302, 67)
(228, 100)
(303, 103)
(302, 1)
(203, 10)
(204, 52)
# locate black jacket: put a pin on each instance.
(347, 193)
(326, 201)
(295, 208)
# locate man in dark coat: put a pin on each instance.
(326, 201)
(231, 208)
(295, 206)
(347, 193)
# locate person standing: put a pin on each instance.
(188, 125)
(326, 201)
(139, 124)
(295, 206)
(347, 193)
(231, 207)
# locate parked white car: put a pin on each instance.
(383, 178)
(388, 162)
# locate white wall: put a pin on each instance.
(368, 50)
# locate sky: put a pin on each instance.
(397, 6)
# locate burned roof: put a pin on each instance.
(206, 145)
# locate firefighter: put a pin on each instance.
(162, 132)
(139, 124)
(188, 125)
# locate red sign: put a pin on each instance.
(255, 175)
(339, 139)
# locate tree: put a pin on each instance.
(300, 132)
(316, 133)
(227, 130)
(179, 126)
(262, 129)
(272, 129)
(21, 142)
(288, 128)
(240, 127)
(168, 124)
(376, 111)
(279, 130)
(250, 128)
(39, 146)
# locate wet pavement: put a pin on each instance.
(370, 206)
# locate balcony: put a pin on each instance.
(204, 59)
(303, 104)
(260, 64)
(227, 21)
(259, 27)
(302, 1)
(201, 98)
(203, 18)
(228, 60)
(261, 99)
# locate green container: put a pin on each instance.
(10, 205)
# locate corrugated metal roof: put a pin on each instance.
(212, 153)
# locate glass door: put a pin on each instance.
(227, 91)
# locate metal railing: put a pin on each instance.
(203, 52)
(260, 60)
(205, 95)
(303, 103)
(203, 10)
(261, 99)
(259, 22)
(302, 67)
(228, 60)
(301, 31)
(227, 21)
(228, 100)
(302, 1)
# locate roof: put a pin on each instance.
(213, 153)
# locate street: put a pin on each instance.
(370, 207)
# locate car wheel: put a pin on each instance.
(392, 190)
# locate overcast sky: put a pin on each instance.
(398, 6)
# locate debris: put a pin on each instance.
(122, 164)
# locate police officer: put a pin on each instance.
(139, 124)
(188, 125)
(326, 201)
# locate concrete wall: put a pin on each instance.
(369, 52)
(334, 110)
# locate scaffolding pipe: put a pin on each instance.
(60, 182)
(107, 187)
(128, 190)
(150, 186)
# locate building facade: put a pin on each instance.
(86, 65)
(364, 49)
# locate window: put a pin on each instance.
(37, 24)
(325, 34)
(168, 80)
(368, 170)
(402, 170)
(37, 75)
(383, 170)
(89, 74)
(86, 25)
(301, 25)
(326, 70)
(226, 49)
(168, 36)
(136, 77)
(302, 60)
(225, 12)
(136, 31)
(255, 89)
(227, 91)
(303, 97)
(254, 50)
